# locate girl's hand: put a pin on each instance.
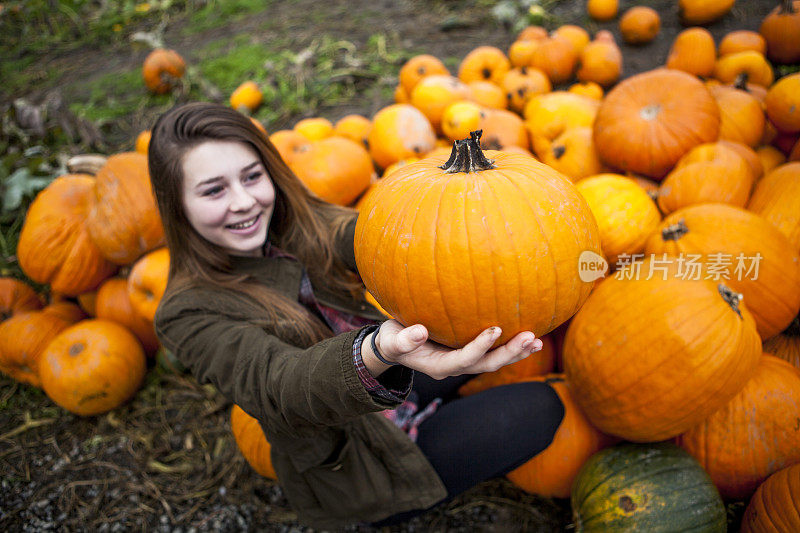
(410, 347)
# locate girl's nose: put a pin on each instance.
(241, 200)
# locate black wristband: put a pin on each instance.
(376, 351)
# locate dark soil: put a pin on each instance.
(167, 460)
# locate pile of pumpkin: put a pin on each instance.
(697, 159)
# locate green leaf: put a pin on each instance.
(19, 185)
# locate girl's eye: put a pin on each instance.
(254, 176)
(213, 191)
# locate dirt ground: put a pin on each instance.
(167, 460)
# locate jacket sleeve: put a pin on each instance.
(262, 374)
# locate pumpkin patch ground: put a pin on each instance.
(167, 459)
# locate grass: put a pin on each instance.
(217, 13)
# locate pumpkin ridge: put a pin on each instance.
(435, 256)
(513, 246)
(543, 235)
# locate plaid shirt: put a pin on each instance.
(407, 415)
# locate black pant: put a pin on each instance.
(470, 440)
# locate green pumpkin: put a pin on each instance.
(646, 487)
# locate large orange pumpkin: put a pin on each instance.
(648, 121)
(92, 367)
(161, 69)
(17, 297)
(652, 353)
(741, 249)
(113, 303)
(124, 222)
(469, 243)
(251, 442)
(777, 199)
(147, 282)
(336, 169)
(753, 435)
(54, 245)
(23, 338)
(775, 507)
(552, 472)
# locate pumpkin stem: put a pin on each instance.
(554, 379)
(741, 81)
(794, 328)
(467, 156)
(731, 298)
(559, 151)
(675, 231)
(650, 112)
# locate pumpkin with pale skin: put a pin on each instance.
(400, 131)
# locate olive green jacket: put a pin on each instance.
(337, 458)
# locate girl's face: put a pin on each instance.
(228, 196)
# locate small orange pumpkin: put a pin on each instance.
(548, 115)
(693, 51)
(697, 12)
(780, 29)
(741, 115)
(487, 63)
(639, 25)
(741, 41)
(23, 338)
(521, 84)
(786, 344)
(246, 97)
(556, 57)
(17, 297)
(520, 53)
(589, 89)
(114, 304)
(419, 67)
(92, 367)
(487, 94)
(602, 10)
(532, 33)
(575, 34)
(600, 62)
(252, 442)
(147, 282)
(314, 128)
(289, 143)
(501, 129)
(335, 169)
(770, 158)
(731, 66)
(143, 142)
(400, 131)
(783, 103)
(161, 69)
(354, 127)
(459, 119)
(572, 153)
(434, 93)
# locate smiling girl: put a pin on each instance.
(264, 302)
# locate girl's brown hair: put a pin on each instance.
(301, 224)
